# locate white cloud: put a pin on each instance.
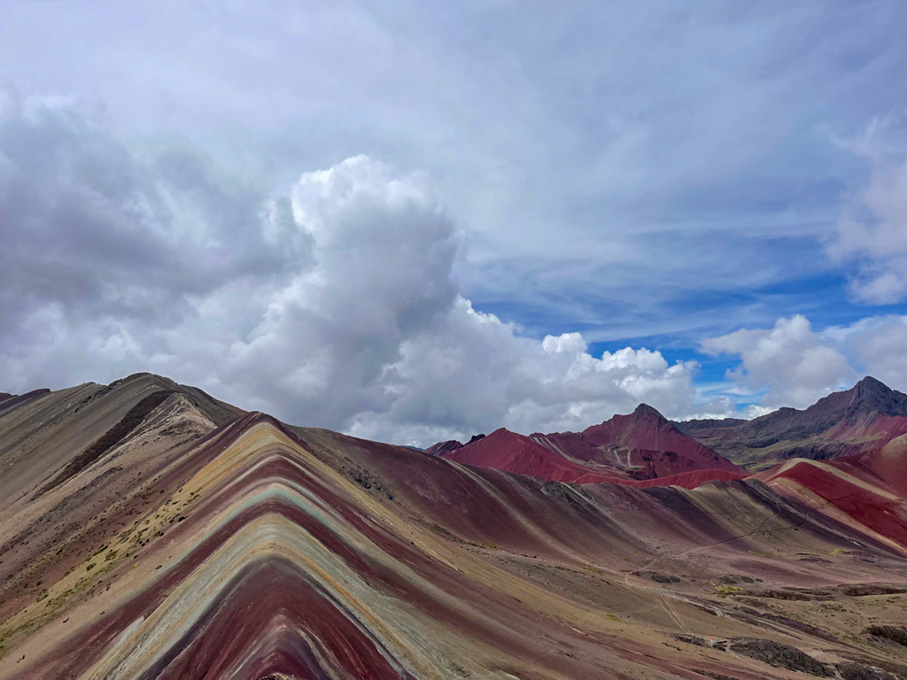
(402, 354)
(332, 303)
(879, 348)
(754, 411)
(582, 166)
(471, 372)
(874, 232)
(793, 365)
(790, 361)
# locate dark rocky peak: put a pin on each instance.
(444, 448)
(869, 385)
(646, 412)
(147, 379)
(865, 400)
(871, 395)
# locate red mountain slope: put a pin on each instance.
(651, 441)
(887, 464)
(861, 497)
(512, 452)
(187, 539)
(619, 450)
(688, 480)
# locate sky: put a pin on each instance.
(414, 221)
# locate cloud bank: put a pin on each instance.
(660, 170)
(333, 303)
(790, 360)
(793, 365)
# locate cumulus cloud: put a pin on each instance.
(472, 372)
(332, 302)
(105, 250)
(873, 233)
(793, 365)
(877, 347)
(790, 362)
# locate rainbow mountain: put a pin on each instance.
(148, 530)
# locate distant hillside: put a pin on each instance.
(643, 445)
(855, 421)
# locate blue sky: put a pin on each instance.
(651, 175)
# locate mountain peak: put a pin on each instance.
(871, 395)
(644, 411)
(870, 385)
(843, 423)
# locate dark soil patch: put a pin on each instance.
(691, 639)
(658, 577)
(789, 623)
(800, 595)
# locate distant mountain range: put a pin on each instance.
(645, 445)
(624, 450)
(849, 450)
(858, 420)
(149, 530)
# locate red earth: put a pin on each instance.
(625, 449)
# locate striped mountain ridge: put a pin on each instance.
(203, 541)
